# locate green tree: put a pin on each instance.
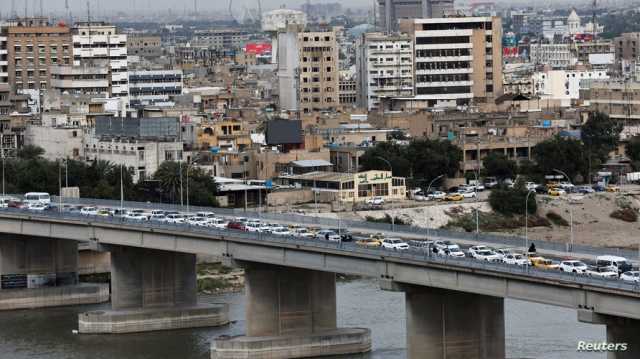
(600, 135)
(30, 152)
(511, 201)
(565, 154)
(394, 153)
(432, 158)
(168, 174)
(633, 152)
(498, 165)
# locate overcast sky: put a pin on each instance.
(81, 5)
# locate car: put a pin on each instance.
(328, 234)
(104, 212)
(419, 196)
(89, 211)
(453, 250)
(601, 272)
(369, 242)
(38, 207)
(566, 185)
(175, 218)
(584, 189)
(217, 223)
(631, 276)
(207, 215)
(556, 192)
(516, 259)
(376, 201)
(502, 252)
(468, 193)
(197, 221)
(281, 232)
(345, 236)
(486, 255)
(395, 244)
(157, 212)
(472, 250)
(454, 197)
(441, 244)
(241, 219)
(421, 245)
(436, 195)
(302, 232)
(541, 262)
(612, 188)
(237, 225)
(254, 227)
(158, 217)
(614, 263)
(134, 217)
(490, 182)
(573, 266)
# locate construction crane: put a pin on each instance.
(593, 20)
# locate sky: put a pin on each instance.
(178, 5)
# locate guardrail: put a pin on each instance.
(509, 241)
(413, 254)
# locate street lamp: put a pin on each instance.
(393, 219)
(526, 220)
(570, 210)
(477, 211)
(427, 194)
(3, 192)
(121, 190)
(189, 164)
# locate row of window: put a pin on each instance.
(447, 65)
(315, 59)
(316, 99)
(315, 69)
(443, 52)
(316, 89)
(443, 78)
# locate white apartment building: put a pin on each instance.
(4, 61)
(87, 79)
(558, 56)
(458, 60)
(154, 87)
(385, 68)
(97, 40)
(565, 85)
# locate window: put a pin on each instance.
(141, 155)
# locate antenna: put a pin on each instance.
(13, 8)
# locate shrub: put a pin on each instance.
(625, 214)
(386, 219)
(557, 219)
(511, 201)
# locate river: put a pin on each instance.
(533, 330)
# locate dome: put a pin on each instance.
(573, 17)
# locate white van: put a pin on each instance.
(37, 197)
(613, 263)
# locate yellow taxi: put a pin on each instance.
(556, 192)
(454, 197)
(369, 242)
(612, 188)
(543, 263)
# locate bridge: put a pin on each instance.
(454, 306)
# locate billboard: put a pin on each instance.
(258, 48)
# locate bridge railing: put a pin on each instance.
(412, 254)
(310, 220)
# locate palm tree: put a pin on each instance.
(169, 176)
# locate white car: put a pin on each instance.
(601, 272)
(573, 266)
(303, 233)
(253, 227)
(516, 259)
(442, 245)
(436, 195)
(467, 193)
(328, 234)
(566, 185)
(474, 249)
(217, 223)
(207, 215)
(89, 211)
(502, 252)
(157, 212)
(378, 201)
(395, 244)
(486, 255)
(281, 231)
(137, 217)
(38, 207)
(453, 250)
(158, 217)
(175, 218)
(631, 276)
(197, 221)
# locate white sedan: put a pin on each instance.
(573, 266)
(281, 231)
(516, 259)
(89, 211)
(197, 221)
(631, 276)
(395, 244)
(474, 249)
(135, 217)
(436, 195)
(218, 223)
(486, 255)
(601, 272)
(378, 201)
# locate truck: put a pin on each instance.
(633, 177)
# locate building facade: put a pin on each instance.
(221, 38)
(154, 87)
(144, 46)
(558, 56)
(101, 41)
(33, 45)
(88, 79)
(385, 68)
(391, 11)
(458, 60)
(318, 69)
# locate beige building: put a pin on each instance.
(351, 187)
(144, 45)
(33, 45)
(458, 60)
(619, 100)
(319, 75)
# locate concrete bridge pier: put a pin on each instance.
(446, 324)
(623, 335)
(39, 272)
(290, 313)
(152, 290)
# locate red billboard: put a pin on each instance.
(258, 48)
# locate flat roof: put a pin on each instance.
(311, 163)
(324, 176)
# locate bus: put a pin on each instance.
(37, 197)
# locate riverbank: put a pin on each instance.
(216, 278)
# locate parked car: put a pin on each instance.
(197, 221)
(556, 192)
(395, 244)
(631, 276)
(376, 201)
(442, 244)
(473, 249)
(612, 188)
(454, 197)
(369, 242)
(253, 227)
(486, 255)
(239, 226)
(614, 263)
(516, 259)
(584, 189)
(468, 193)
(158, 217)
(419, 196)
(566, 185)
(303, 233)
(207, 215)
(175, 218)
(601, 272)
(573, 266)
(436, 195)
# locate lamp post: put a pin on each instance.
(427, 194)
(3, 192)
(121, 189)
(477, 211)
(570, 210)
(526, 220)
(59, 186)
(393, 219)
(180, 174)
(188, 169)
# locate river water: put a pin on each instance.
(533, 330)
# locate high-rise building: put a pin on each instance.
(318, 69)
(4, 61)
(154, 87)
(100, 41)
(385, 67)
(32, 46)
(458, 60)
(391, 11)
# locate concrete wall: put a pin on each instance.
(144, 278)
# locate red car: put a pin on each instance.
(17, 204)
(237, 226)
